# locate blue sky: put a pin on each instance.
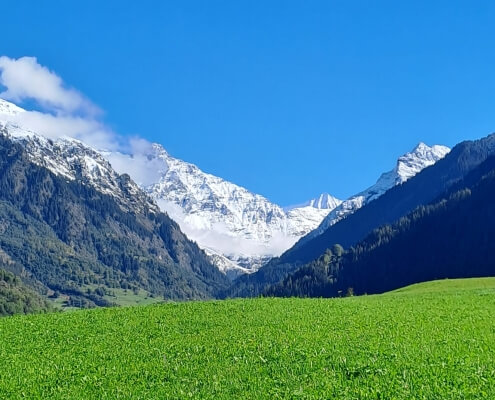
(288, 99)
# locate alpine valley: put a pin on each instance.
(91, 224)
(247, 200)
(242, 230)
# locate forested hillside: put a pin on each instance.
(450, 238)
(65, 236)
(394, 204)
(17, 298)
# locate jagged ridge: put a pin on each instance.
(407, 166)
(225, 218)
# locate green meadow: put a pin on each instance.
(429, 341)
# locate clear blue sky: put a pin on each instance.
(286, 98)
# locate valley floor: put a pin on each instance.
(430, 341)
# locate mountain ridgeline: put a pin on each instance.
(238, 229)
(62, 235)
(397, 202)
(421, 189)
(450, 238)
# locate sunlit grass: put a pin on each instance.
(426, 344)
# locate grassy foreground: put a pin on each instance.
(417, 343)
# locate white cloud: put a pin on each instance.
(65, 112)
(53, 126)
(26, 79)
(143, 170)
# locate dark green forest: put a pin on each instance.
(450, 238)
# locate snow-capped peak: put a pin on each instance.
(324, 201)
(220, 216)
(407, 166)
(420, 157)
(72, 159)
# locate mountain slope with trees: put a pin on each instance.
(63, 235)
(450, 238)
(18, 298)
(421, 189)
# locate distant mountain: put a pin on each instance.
(241, 229)
(69, 223)
(407, 166)
(451, 238)
(324, 201)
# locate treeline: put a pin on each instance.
(450, 238)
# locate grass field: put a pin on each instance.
(126, 298)
(430, 341)
(450, 285)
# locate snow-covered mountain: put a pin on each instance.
(407, 166)
(238, 229)
(9, 109)
(225, 219)
(323, 201)
(72, 159)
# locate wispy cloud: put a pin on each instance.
(137, 162)
(25, 79)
